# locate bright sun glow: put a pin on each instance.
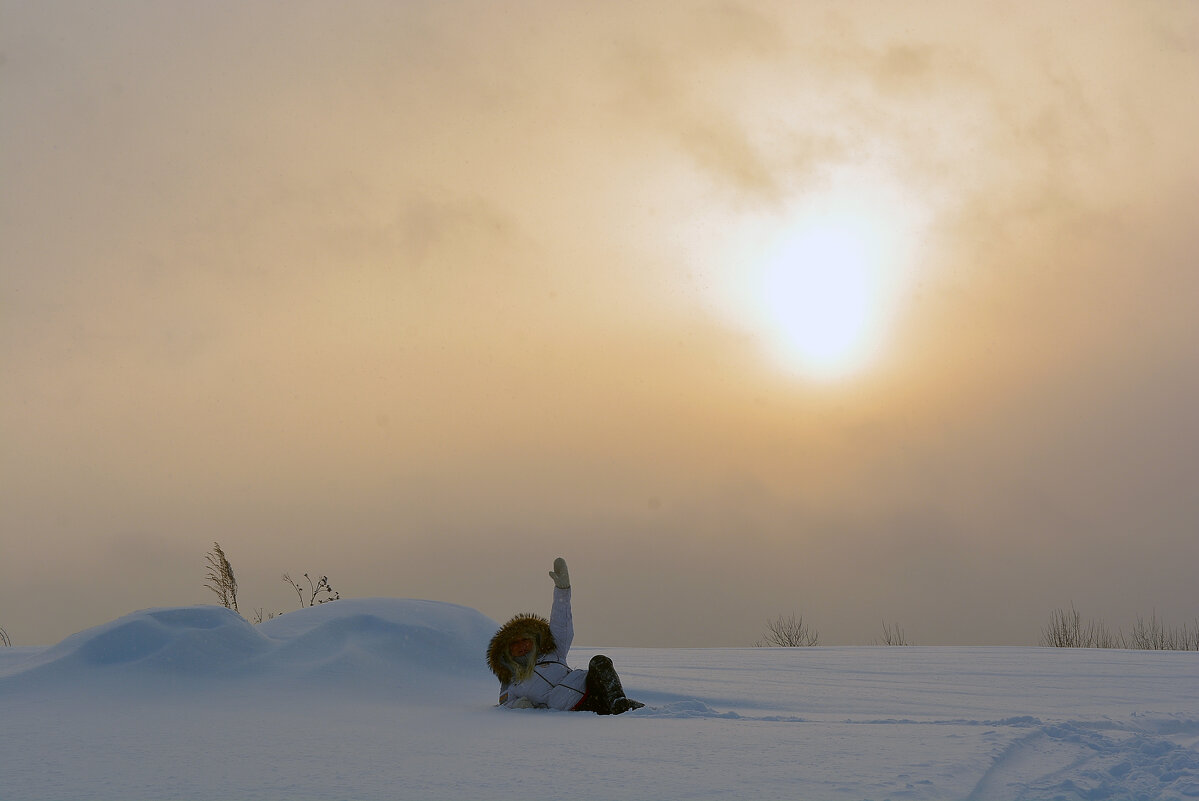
(820, 294)
(823, 283)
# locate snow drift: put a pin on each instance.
(396, 641)
(389, 698)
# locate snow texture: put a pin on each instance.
(390, 699)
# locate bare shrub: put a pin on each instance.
(1067, 630)
(789, 632)
(4, 640)
(260, 614)
(893, 635)
(1101, 637)
(1154, 635)
(1149, 635)
(220, 578)
(1188, 637)
(1064, 629)
(224, 585)
(319, 592)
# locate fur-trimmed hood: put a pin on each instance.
(534, 627)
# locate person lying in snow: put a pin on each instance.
(528, 656)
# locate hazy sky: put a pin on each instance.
(861, 311)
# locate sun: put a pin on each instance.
(821, 288)
(821, 293)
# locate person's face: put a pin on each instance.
(521, 647)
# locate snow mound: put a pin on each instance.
(182, 640)
(392, 641)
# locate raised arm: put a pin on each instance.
(562, 624)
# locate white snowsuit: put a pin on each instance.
(553, 684)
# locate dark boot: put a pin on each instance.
(605, 696)
(625, 705)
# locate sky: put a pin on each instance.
(861, 312)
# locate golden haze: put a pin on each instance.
(422, 295)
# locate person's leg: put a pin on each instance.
(588, 704)
(605, 695)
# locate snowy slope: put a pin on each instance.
(389, 699)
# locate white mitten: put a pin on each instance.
(560, 574)
(521, 703)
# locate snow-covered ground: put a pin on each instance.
(390, 699)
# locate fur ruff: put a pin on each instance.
(534, 627)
